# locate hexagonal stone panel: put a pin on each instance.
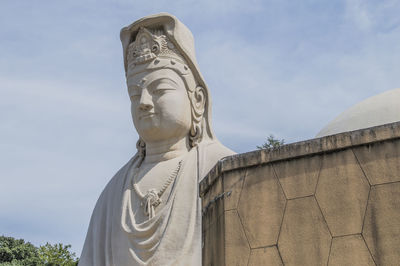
(350, 250)
(380, 161)
(342, 193)
(382, 224)
(233, 183)
(304, 237)
(261, 206)
(213, 241)
(265, 256)
(237, 250)
(298, 177)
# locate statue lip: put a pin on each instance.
(146, 115)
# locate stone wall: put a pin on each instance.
(328, 201)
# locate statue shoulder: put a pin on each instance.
(210, 153)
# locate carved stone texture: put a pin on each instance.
(261, 206)
(237, 250)
(380, 161)
(298, 177)
(304, 237)
(265, 256)
(342, 193)
(350, 250)
(233, 183)
(382, 224)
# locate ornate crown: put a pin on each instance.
(150, 44)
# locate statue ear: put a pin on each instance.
(198, 100)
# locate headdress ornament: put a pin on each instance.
(150, 44)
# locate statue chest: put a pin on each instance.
(152, 185)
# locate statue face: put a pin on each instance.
(160, 105)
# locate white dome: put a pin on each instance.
(381, 109)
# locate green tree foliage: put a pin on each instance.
(57, 254)
(17, 252)
(272, 143)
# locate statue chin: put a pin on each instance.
(151, 132)
(150, 213)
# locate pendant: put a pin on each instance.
(150, 201)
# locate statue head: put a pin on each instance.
(169, 97)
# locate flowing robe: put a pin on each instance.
(171, 237)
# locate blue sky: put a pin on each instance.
(274, 67)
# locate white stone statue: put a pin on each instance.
(150, 212)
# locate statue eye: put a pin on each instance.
(159, 91)
(135, 95)
(162, 89)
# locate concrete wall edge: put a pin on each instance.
(305, 148)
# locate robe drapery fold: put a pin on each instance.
(171, 237)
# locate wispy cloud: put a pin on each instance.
(358, 13)
(378, 16)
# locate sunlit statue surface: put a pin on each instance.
(150, 213)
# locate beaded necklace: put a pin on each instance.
(152, 198)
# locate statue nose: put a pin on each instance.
(145, 103)
(145, 107)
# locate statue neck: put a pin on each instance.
(166, 150)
